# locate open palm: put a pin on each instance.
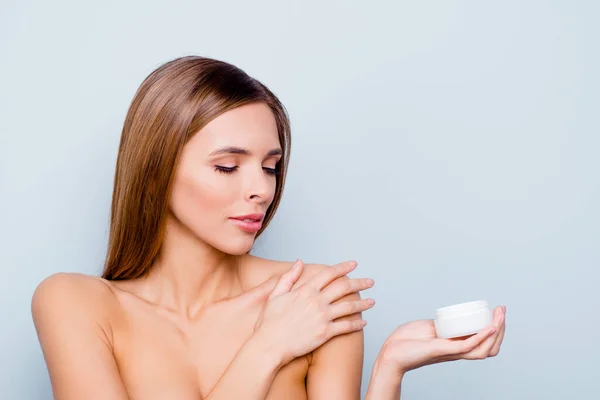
(415, 344)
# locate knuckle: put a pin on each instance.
(313, 303)
(322, 316)
(350, 307)
(347, 285)
(322, 332)
(346, 326)
(336, 270)
(343, 267)
(304, 291)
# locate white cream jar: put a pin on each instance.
(462, 319)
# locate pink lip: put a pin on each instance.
(251, 227)
(255, 217)
(247, 226)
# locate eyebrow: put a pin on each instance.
(239, 150)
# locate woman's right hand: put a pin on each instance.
(298, 320)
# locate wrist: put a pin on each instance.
(386, 380)
(387, 362)
(266, 350)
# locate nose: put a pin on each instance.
(259, 186)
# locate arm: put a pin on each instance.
(70, 314)
(336, 368)
(301, 322)
(250, 374)
(415, 344)
(385, 383)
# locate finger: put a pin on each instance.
(457, 347)
(344, 286)
(330, 274)
(345, 326)
(261, 291)
(496, 348)
(483, 350)
(345, 308)
(287, 280)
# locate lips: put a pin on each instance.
(250, 217)
(249, 223)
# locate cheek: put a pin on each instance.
(199, 200)
(202, 205)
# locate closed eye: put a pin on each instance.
(231, 170)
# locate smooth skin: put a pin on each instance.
(211, 321)
(256, 345)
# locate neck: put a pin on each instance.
(189, 274)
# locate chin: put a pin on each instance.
(237, 246)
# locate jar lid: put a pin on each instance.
(462, 308)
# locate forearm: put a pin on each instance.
(385, 382)
(250, 374)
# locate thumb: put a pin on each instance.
(287, 280)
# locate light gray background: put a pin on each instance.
(452, 148)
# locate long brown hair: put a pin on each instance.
(173, 103)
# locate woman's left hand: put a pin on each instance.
(415, 344)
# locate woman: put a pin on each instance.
(182, 310)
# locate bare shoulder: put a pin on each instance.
(338, 360)
(74, 287)
(72, 317)
(275, 268)
(63, 297)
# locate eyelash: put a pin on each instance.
(231, 170)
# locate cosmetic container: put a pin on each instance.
(462, 319)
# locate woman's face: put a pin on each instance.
(226, 171)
